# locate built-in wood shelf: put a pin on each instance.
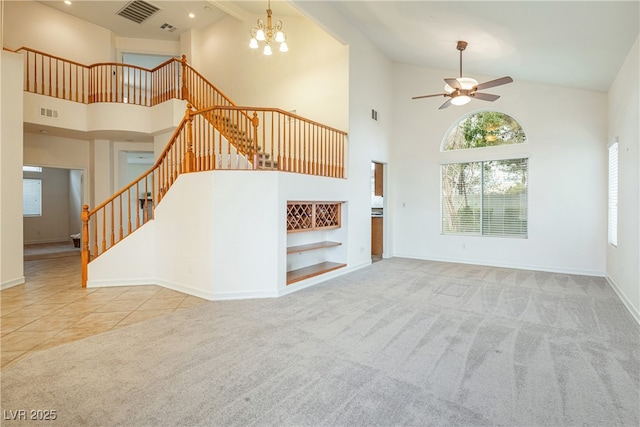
(311, 247)
(308, 216)
(312, 270)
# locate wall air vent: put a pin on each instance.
(48, 112)
(138, 11)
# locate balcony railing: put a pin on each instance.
(214, 134)
(104, 82)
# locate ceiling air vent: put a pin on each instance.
(168, 27)
(138, 11)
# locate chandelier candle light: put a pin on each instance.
(268, 33)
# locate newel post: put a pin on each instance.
(189, 157)
(255, 122)
(185, 93)
(85, 244)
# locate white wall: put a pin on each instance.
(105, 117)
(221, 235)
(368, 140)
(623, 261)
(135, 258)
(34, 25)
(155, 47)
(567, 223)
(96, 156)
(67, 154)
(311, 78)
(370, 87)
(11, 153)
(53, 224)
(565, 129)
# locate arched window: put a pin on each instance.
(487, 197)
(484, 129)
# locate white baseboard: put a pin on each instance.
(548, 269)
(11, 283)
(225, 296)
(119, 282)
(210, 296)
(185, 289)
(627, 303)
(149, 281)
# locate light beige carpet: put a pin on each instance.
(402, 342)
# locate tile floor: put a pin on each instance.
(52, 308)
(50, 250)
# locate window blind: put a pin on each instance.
(485, 198)
(31, 197)
(504, 201)
(613, 195)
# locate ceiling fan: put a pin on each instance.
(461, 90)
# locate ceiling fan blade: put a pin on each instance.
(429, 96)
(494, 83)
(446, 104)
(454, 83)
(485, 96)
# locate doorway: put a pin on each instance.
(52, 203)
(377, 211)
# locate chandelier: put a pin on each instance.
(268, 33)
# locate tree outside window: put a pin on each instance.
(488, 197)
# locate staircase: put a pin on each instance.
(243, 142)
(214, 134)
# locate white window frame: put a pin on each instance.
(34, 192)
(612, 217)
(37, 169)
(481, 230)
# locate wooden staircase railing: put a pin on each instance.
(131, 207)
(104, 82)
(216, 135)
(196, 147)
(288, 142)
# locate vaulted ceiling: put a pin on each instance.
(569, 43)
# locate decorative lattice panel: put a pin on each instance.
(327, 215)
(310, 216)
(299, 216)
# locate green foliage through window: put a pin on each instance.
(484, 129)
(485, 198)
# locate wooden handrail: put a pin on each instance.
(274, 110)
(161, 158)
(51, 75)
(215, 133)
(190, 69)
(117, 217)
(270, 141)
(28, 49)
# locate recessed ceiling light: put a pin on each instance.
(191, 15)
(67, 2)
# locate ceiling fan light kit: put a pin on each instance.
(460, 90)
